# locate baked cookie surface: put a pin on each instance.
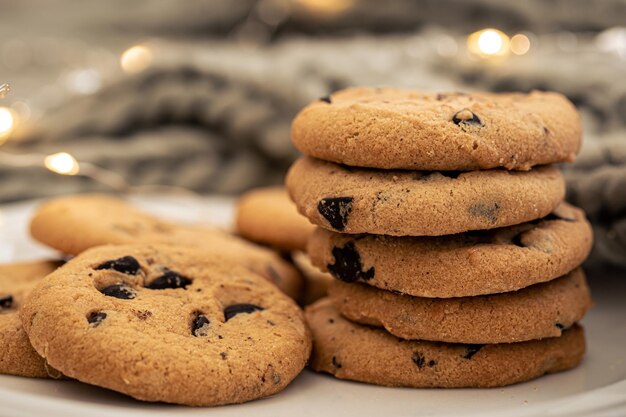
(163, 323)
(468, 264)
(17, 356)
(76, 223)
(401, 129)
(352, 351)
(536, 312)
(316, 282)
(402, 203)
(268, 216)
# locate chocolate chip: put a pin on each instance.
(234, 309)
(336, 210)
(347, 266)
(96, 317)
(472, 350)
(170, 279)
(418, 359)
(432, 363)
(200, 325)
(126, 265)
(560, 326)
(6, 301)
(466, 117)
(326, 99)
(488, 211)
(224, 355)
(119, 291)
(335, 362)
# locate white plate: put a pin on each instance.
(597, 387)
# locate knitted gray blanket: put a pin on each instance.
(214, 117)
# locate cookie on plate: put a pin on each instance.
(268, 216)
(468, 264)
(405, 203)
(536, 312)
(167, 323)
(401, 129)
(361, 353)
(17, 356)
(75, 223)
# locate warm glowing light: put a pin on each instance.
(62, 163)
(7, 121)
(83, 81)
(488, 42)
(520, 44)
(329, 7)
(4, 90)
(136, 59)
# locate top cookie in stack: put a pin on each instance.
(442, 208)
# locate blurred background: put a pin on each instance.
(199, 95)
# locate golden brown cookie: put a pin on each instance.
(316, 282)
(361, 353)
(268, 216)
(73, 224)
(404, 203)
(402, 129)
(167, 323)
(17, 356)
(468, 264)
(536, 312)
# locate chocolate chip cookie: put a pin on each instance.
(536, 312)
(268, 216)
(166, 323)
(468, 264)
(361, 353)
(401, 129)
(404, 203)
(316, 282)
(17, 356)
(73, 224)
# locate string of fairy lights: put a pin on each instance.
(489, 45)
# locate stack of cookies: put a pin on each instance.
(457, 261)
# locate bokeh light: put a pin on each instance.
(326, 7)
(62, 163)
(488, 42)
(4, 90)
(136, 59)
(520, 44)
(7, 122)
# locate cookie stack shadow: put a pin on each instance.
(442, 218)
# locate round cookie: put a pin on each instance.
(361, 353)
(404, 203)
(316, 282)
(268, 216)
(401, 129)
(76, 223)
(468, 264)
(17, 356)
(164, 323)
(536, 312)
